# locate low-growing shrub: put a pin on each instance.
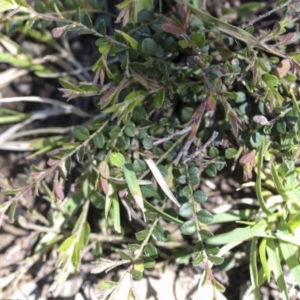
(177, 95)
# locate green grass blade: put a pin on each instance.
(239, 234)
(263, 259)
(108, 199)
(294, 222)
(275, 266)
(258, 181)
(280, 236)
(116, 213)
(253, 268)
(9, 116)
(233, 31)
(161, 213)
(288, 253)
(277, 182)
(133, 186)
(233, 216)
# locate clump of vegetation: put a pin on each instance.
(177, 95)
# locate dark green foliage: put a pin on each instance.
(175, 99)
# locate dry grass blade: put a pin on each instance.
(30, 145)
(37, 131)
(67, 107)
(10, 75)
(134, 187)
(160, 180)
(38, 115)
(233, 31)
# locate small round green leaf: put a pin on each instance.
(204, 216)
(213, 152)
(149, 47)
(281, 127)
(184, 44)
(186, 210)
(98, 140)
(133, 247)
(136, 274)
(194, 179)
(214, 74)
(154, 129)
(148, 190)
(193, 170)
(170, 129)
(107, 285)
(147, 143)
(117, 159)
(148, 262)
(181, 179)
(125, 256)
(143, 134)
(211, 250)
(187, 192)
(114, 133)
(159, 98)
(139, 166)
(256, 139)
(241, 97)
(102, 27)
(183, 258)
(186, 114)
(200, 197)
(216, 260)
(205, 234)
(141, 235)
(163, 170)
(290, 78)
(139, 114)
(211, 170)
(80, 154)
(97, 199)
(150, 250)
(271, 80)
(198, 259)
(230, 153)
(145, 14)
(54, 5)
(81, 133)
(163, 121)
(159, 233)
(220, 166)
(87, 20)
(188, 228)
(160, 52)
(123, 142)
(199, 39)
(40, 7)
(130, 129)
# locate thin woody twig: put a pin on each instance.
(184, 150)
(180, 132)
(202, 147)
(267, 14)
(197, 118)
